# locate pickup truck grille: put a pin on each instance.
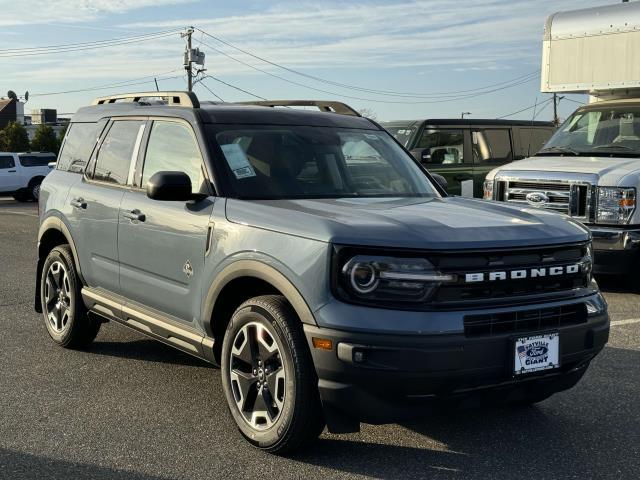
(570, 198)
(525, 321)
(490, 292)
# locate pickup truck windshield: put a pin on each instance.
(273, 162)
(607, 131)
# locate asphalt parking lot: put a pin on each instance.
(131, 408)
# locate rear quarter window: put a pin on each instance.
(77, 148)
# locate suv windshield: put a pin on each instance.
(611, 131)
(269, 162)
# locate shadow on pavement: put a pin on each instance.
(578, 434)
(18, 465)
(147, 350)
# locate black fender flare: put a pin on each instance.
(261, 271)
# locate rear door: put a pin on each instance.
(10, 178)
(162, 244)
(446, 155)
(491, 148)
(95, 203)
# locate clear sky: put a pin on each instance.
(423, 46)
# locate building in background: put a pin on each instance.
(44, 115)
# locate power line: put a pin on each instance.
(233, 86)
(525, 109)
(574, 101)
(442, 100)
(124, 83)
(527, 76)
(74, 47)
(202, 84)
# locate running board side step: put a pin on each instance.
(150, 324)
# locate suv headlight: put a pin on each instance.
(488, 190)
(378, 279)
(615, 205)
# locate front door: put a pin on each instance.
(445, 155)
(10, 178)
(95, 203)
(162, 244)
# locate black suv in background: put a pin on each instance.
(467, 149)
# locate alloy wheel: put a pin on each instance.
(257, 374)
(58, 297)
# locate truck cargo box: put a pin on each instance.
(593, 50)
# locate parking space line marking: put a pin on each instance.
(19, 213)
(628, 321)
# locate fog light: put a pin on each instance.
(322, 343)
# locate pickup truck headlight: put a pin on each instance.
(488, 190)
(374, 279)
(615, 205)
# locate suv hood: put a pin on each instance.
(609, 170)
(436, 223)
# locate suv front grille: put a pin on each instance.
(525, 321)
(570, 198)
(462, 263)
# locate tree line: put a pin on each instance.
(14, 138)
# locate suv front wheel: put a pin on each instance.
(268, 376)
(65, 314)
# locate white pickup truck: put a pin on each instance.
(590, 168)
(22, 173)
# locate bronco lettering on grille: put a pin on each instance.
(521, 274)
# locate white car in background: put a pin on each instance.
(22, 173)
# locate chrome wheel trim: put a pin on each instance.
(58, 297)
(257, 376)
(35, 191)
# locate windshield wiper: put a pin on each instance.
(563, 149)
(614, 145)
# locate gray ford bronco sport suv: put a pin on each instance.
(311, 257)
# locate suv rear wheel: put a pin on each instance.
(268, 376)
(65, 315)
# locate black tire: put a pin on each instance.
(60, 297)
(299, 420)
(34, 189)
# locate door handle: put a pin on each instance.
(134, 215)
(462, 177)
(79, 203)
(11, 171)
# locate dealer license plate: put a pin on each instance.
(536, 353)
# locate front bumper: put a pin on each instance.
(614, 248)
(382, 378)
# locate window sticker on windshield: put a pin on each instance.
(238, 161)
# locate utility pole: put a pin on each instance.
(556, 101)
(464, 113)
(187, 58)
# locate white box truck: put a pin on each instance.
(590, 168)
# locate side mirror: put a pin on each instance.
(441, 180)
(170, 186)
(423, 155)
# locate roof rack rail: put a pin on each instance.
(323, 106)
(179, 99)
